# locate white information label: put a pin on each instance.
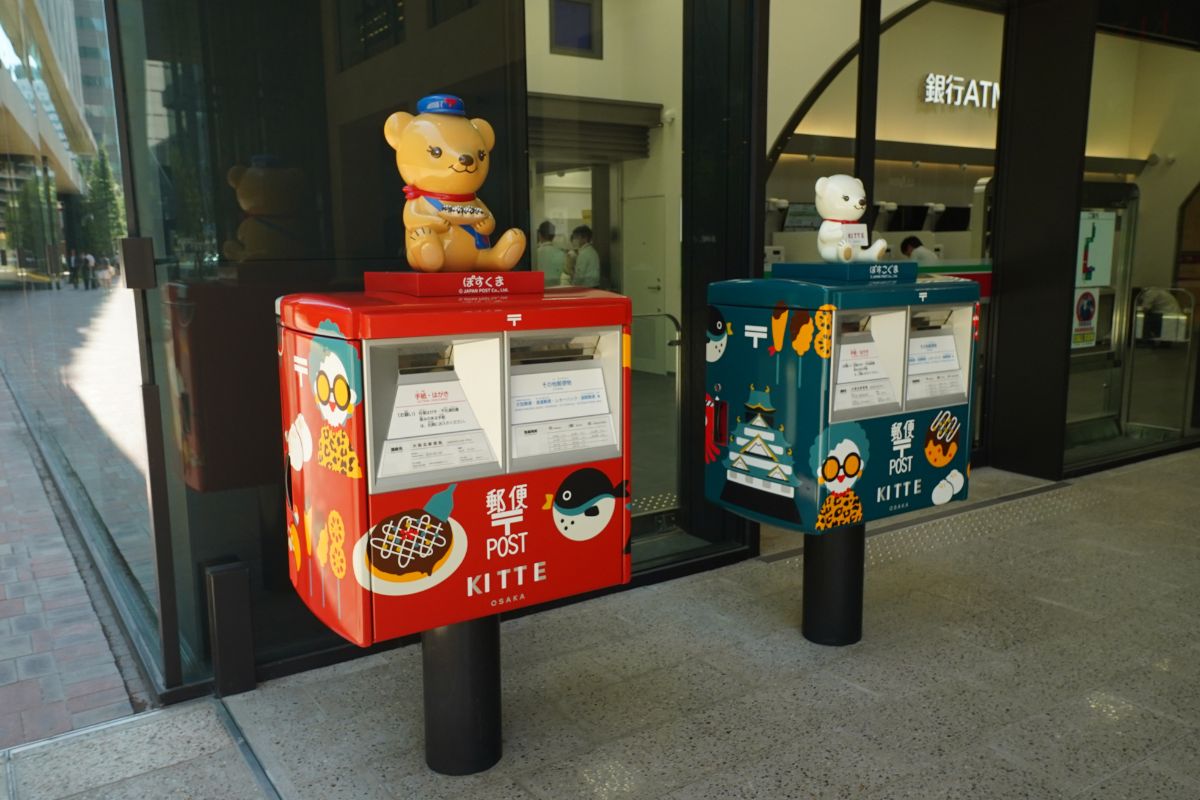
(561, 436)
(428, 453)
(855, 234)
(859, 361)
(937, 384)
(427, 408)
(542, 396)
(928, 354)
(865, 394)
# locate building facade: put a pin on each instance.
(686, 135)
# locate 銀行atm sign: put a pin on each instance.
(439, 555)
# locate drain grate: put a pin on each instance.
(654, 503)
(1050, 502)
(894, 542)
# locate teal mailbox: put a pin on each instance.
(838, 393)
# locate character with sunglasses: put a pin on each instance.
(334, 370)
(838, 468)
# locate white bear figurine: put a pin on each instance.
(841, 199)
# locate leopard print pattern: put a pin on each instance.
(839, 509)
(337, 543)
(823, 341)
(334, 453)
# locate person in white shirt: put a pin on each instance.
(913, 249)
(549, 258)
(587, 259)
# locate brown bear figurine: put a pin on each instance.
(272, 199)
(443, 157)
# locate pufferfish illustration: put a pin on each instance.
(718, 335)
(584, 503)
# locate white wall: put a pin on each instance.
(805, 39)
(1166, 121)
(643, 62)
(1110, 106)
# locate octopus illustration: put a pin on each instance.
(712, 450)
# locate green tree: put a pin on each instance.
(103, 209)
(26, 224)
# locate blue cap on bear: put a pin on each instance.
(441, 104)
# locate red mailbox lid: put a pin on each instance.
(382, 313)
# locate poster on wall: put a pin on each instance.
(1083, 325)
(1094, 255)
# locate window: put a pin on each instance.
(368, 27)
(442, 10)
(575, 28)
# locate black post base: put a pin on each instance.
(833, 585)
(462, 696)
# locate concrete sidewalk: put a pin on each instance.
(1042, 646)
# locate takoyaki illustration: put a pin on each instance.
(584, 504)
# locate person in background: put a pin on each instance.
(105, 275)
(915, 250)
(587, 259)
(89, 271)
(549, 258)
(73, 269)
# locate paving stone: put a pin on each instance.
(27, 623)
(45, 720)
(11, 732)
(13, 647)
(104, 697)
(36, 666)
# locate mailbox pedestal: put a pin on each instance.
(838, 394)
(832, 601)
(461, 668)
(456, 445)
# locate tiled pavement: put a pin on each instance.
(72, 358)
(57, 670)
(1039, 647)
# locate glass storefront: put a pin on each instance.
(68, 335)
(936, 110)
(259, 168)
(1133, 378)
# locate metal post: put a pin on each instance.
(229, 628)
(462, 696)
(833, 585)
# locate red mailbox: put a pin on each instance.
(456, 445)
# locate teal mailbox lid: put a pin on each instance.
(796, 293)
(851, 272)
